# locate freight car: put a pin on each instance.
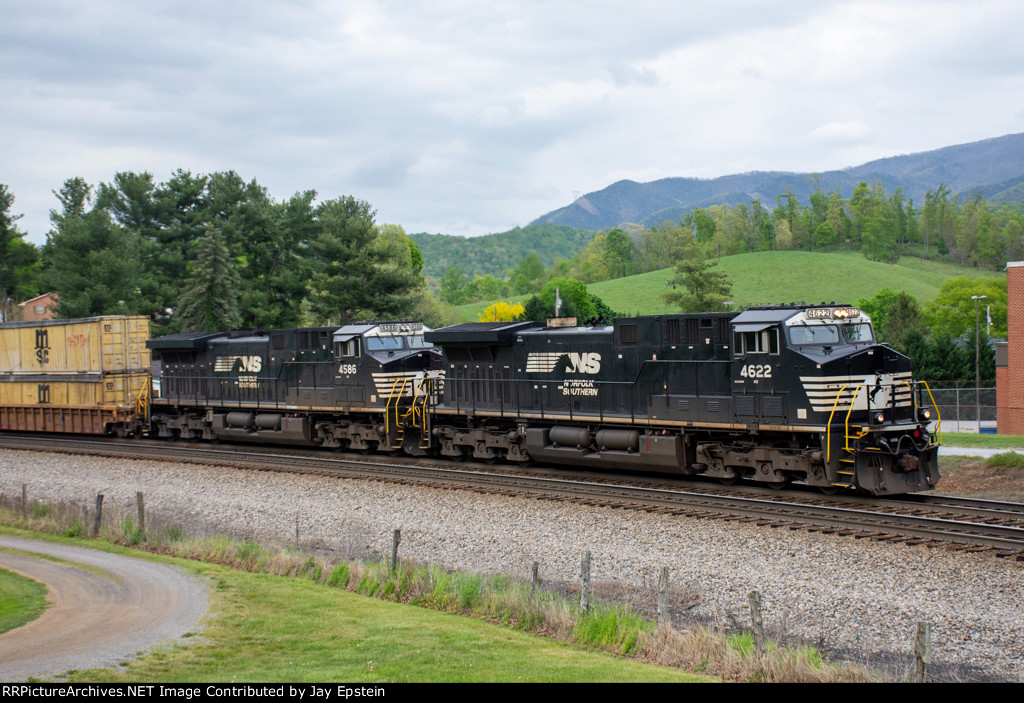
(86, 376)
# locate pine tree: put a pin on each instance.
(209, 299)
(94, 265)
(695, 286)
(357, 273)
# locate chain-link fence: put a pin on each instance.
(962, 408)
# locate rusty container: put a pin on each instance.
(95, 345)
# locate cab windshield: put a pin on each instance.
(383, 343)
(860, 332)
(814, 334)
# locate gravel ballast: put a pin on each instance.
(854, 598)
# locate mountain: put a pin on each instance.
(995, 166)
(497, 253)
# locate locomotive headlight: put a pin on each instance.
(925, 414)
(880, 418)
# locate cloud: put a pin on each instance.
(841, 132)
(466, 117)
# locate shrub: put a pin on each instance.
(131, 532)
(75, 528)
(338, 577)
(1006, 460)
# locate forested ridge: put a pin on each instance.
(206, 252)
(994, 167)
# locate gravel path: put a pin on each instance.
(105, 608)
(853, 597)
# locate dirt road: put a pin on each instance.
(106, 608)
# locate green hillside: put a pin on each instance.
(495, 254)
(784, 277)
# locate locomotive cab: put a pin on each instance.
(820, 369)
(382, 363)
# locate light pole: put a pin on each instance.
(977, 356)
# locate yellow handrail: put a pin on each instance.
(846, 426)
(938, 415)
(395, 397)
(828, 427)
(142, 404)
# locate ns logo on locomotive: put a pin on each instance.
(776, 395)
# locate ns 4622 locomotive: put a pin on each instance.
(776, 395)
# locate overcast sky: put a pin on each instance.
(473, 117)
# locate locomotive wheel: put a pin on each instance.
(829, 490)
(728, 481)
(778, 485)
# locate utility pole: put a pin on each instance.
(977, 355)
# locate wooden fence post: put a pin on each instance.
(585, 577)
(922, 651)
(142, 512)
(99, 515)
(395, 539)
(663, 615)
(534, 578)
(758, 624)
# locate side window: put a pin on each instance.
(349, 348)
(764, 341)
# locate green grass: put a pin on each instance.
(271, 628)
(791, 276)
(22, 600)
(984, 441)
(779, 277)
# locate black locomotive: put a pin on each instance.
(774, 395)
(361, 386)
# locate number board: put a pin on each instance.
(831, 313)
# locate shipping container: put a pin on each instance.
(123, 391)
(95, 345)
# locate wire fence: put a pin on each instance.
(966, 409)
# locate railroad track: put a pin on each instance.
(966, 524)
